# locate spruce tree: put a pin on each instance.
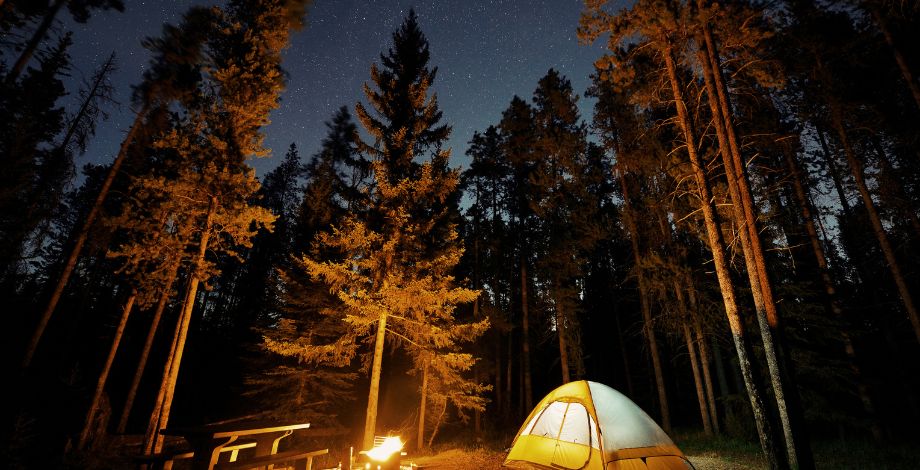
(396, 260)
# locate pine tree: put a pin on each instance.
(658, 25)
(396, 259)
(174, 74)
(213, 187)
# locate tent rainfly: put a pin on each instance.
(587, 425)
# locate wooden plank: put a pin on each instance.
(166, 458)
(297, 456)
(223, 430)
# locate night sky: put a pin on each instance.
(486, 52)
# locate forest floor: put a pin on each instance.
(706, 453)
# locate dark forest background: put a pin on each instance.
(731, 239)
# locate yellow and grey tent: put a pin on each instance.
(587, 425)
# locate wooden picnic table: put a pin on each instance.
(207, 441)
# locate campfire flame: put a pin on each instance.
(386, 448)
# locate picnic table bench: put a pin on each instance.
(209, 442)
(164, 460)
(301, 460)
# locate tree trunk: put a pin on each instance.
(720, 370)
(150, 435)
(106, 368)
(168, 385)
(421, 411)
(797, 450)
(437, 423)
(499, 398)
(830, 289)
(857, 170)
(563, 347)
(894, 186)
(895, 51)
(37, 37)
(82, 235)
(834, 173)
(370, 424)
(707, 377)
(645, 304)
(525, 338)
(509, 374)
(717, 246)
(148, 345)
(694, 364)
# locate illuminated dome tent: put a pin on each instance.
(587, 425)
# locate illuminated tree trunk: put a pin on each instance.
(160, 418)
(437, 423)
(420, 440)
(743, 210)
(525, 339)
(106, 368)
(80, 240)
(33, 43)
(370, 424)
(717, 245)
(148, 345)
(857, 170)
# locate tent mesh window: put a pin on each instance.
(565, 421)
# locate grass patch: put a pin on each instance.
(739, 452)
(828, 454)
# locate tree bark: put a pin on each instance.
(106, 368)
(717, 246)
(420, 440)
(37, 37)
(797, 448)
(80, 240)
(150, 435)
(857, 170)
(694, 364)
(148, 345)
(437, 423)
(707, 376)
(170, 378)
(370, 424)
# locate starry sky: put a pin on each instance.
(486, 52)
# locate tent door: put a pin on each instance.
(572, 447)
